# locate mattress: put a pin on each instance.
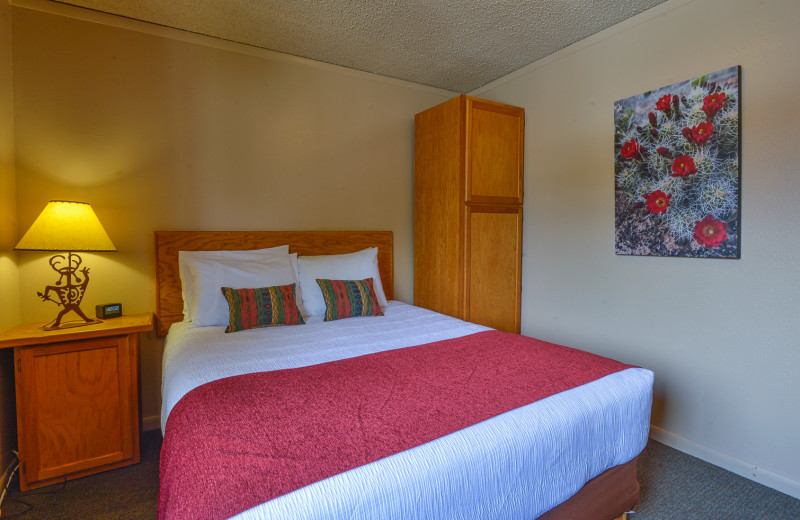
(516, 465)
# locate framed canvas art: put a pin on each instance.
(676, 169)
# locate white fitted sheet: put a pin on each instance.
(516, 465)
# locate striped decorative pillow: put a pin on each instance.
(263, 307)
(349, 298)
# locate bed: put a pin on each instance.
(564, 455)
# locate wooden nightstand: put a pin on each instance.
(77, 398)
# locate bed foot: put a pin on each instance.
(623, 517)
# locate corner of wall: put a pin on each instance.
(9, 273)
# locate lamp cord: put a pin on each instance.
(28, 506)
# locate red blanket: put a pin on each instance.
(237, 442)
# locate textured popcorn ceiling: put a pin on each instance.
(457, 45)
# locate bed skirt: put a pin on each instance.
(606, 497)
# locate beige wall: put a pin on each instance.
(9, 278)
(720, 335)
(163, 130)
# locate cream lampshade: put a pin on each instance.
(67, 226)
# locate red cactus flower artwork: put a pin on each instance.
(665, 103)
(630, 150)
(699, 134)
(676, 169)
(657, 202)
(710, 232)
(683, 166)
(713, 104)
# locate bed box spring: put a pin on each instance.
(606, 497)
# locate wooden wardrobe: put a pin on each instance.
(468, 210)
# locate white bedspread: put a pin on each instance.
(516, 465)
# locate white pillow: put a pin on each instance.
(185, 258)
(298, 294)
(210, 276)
(352, 266)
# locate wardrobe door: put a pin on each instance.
(494, 262)
(494, 152)
(439, 209)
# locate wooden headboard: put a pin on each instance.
(169, 303)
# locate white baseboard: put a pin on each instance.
(740, 467)
(153, 422)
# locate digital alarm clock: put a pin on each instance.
(108, 310)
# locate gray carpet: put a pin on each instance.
(677, 486)
(128, 493)
(674, 486)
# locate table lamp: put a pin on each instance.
(66, 226)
